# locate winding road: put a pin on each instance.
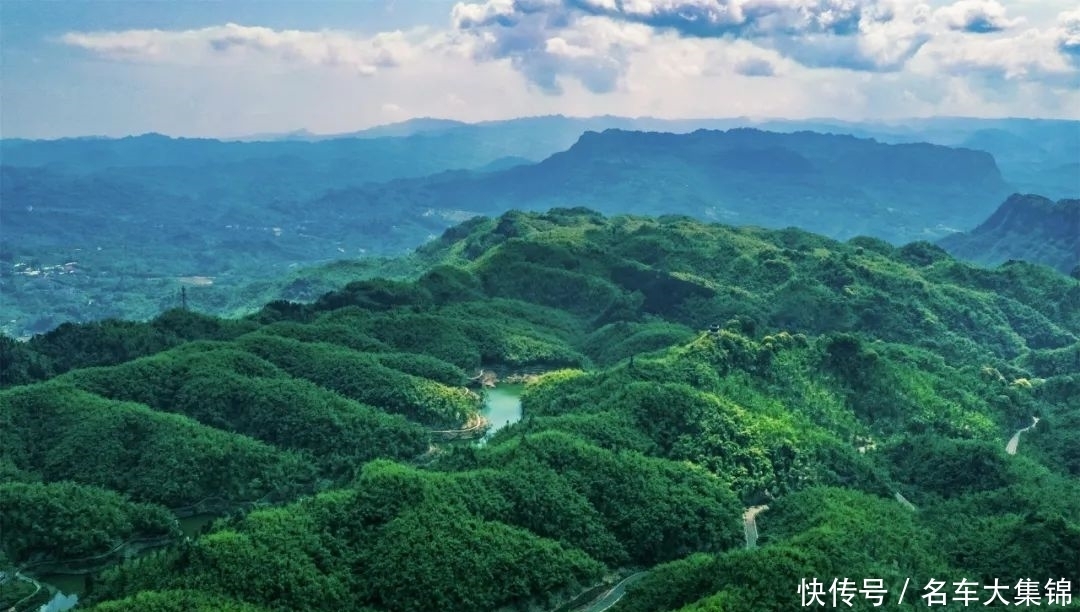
(37, 589)
(1015, 440)
(750, 525)
(903, 501)
(615, 594)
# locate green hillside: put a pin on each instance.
(836, 185)
(1027, 227)
(103, 228)
(687, 372)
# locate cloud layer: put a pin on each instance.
(595, 41)
(853, 58)
(237, 43)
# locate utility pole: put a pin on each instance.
(183, 298)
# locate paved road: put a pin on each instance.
(750, 524)
(37, 589)
(903, 500)
(1015, 440)
(615, 594)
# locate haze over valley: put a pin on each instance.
(113, 228)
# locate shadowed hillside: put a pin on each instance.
(1027, 227)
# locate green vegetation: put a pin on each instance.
(63, 521)
(64, 433)
(175, 601)
(1027, 227)
(117, 228)
(864, 392)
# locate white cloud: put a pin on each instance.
(237, 43)
(847, 58)
(1068, 34)
(871, 35)
(976, 16)
(1033, 54)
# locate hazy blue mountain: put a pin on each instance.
(1035, 155)
(363, 159)
(409, 127)
(121, 244)
(139, 216)
(398, 129)
(839, 186)
(1027, 227)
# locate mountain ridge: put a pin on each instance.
(857, 186)
(821, 377)
(300, 204)
(1025, 226)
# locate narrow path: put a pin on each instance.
(1015, 440)
(750, 525)
(615, 594)
(903, 500)
(37, 589)
(476, 424)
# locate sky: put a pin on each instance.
(235, 68)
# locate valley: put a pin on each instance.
(116, 228)
(691, 371)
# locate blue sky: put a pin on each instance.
(233, 68)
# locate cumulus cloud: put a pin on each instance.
(536, 35)
(647, 57)
(1068, 35)
(713, 18)
(976, 16)
(543, 41)
(886, 39)
(1047, 55)
(363, 55)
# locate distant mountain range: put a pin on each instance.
(839, 186)
(1027, 227)
(137, 216)
(1035, 155)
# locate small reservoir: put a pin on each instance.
(502, 406)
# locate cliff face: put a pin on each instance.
(1027, 227)
(840, 156)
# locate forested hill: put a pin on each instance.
(115, 228)
(1027, 227)
(839, 186)
(837, 376)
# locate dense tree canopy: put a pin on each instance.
(678, 374)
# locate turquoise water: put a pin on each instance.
(69, 588)
(72, 586)
(502, 406)
(60, 603)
